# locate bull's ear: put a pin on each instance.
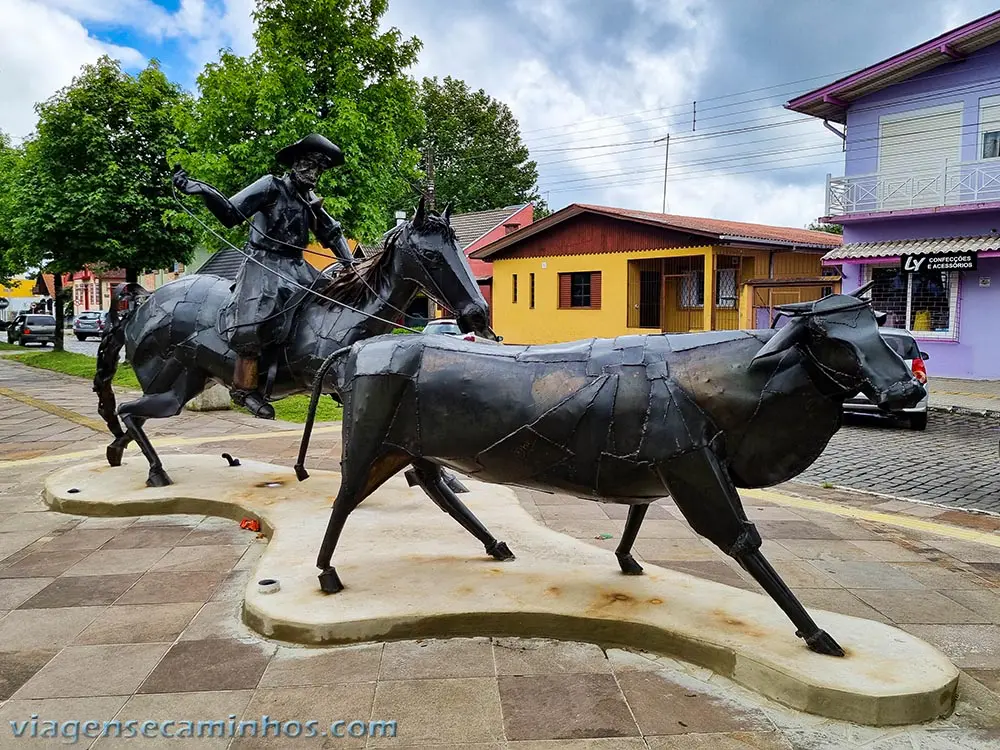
(880, 317)
(783, 340)
(421, 212)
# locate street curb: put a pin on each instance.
(965, 411)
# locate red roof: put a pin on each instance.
(717, 229)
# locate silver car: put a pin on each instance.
(90, 323)
(903, 343)
(30, 328)
(449, 327)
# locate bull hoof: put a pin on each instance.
(329, 581)
(822, 643)
(158, 478)
(453, 483)
(114, 454)
(628, 565)
(499, 551)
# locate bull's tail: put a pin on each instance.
(336, 358)
(109, 350)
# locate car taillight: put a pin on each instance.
(27, 331)
(919, 370)
(469, 337)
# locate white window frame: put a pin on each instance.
(954, 283)
(986, 126)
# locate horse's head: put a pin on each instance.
(431, 257)
(839, 334)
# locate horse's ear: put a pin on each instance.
(787, 337)
(418, 217)
(447, 213)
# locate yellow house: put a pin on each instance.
(598, 271)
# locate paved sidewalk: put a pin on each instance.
(952, 394)
(139, 618)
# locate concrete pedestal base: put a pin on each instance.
(213, 398)
(410, 571)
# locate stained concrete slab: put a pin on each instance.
(412, 572)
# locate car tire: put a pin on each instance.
(22, 342)
(80, 337)
(918, 421)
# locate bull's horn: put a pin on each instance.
(861, 291)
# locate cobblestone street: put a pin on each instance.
(954, 462)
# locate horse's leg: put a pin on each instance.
(705, 494)
(431, 479)
(184, 386)
(624, 551)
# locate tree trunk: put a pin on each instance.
(60, 305)
(131, 276)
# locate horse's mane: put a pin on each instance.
(355, 288)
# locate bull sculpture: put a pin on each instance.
(625, 420)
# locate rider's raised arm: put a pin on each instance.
(243, 205)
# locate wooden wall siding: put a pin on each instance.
(797, 265)
(590, 235)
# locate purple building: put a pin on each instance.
(920, 199)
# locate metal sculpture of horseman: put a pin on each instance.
(625, 420)
(282, 211)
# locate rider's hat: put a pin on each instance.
(313, 143)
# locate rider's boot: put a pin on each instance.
(244, 391)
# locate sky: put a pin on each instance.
(593, 83)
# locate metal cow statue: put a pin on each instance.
(625, 420)
(173, 338)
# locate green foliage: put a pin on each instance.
(320, 66)
(10, 158)
(819, 226)
(93, 186)
(480, 161)
(70, 363)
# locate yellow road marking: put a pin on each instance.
(902, 521)
(70, 416)
(169, 441)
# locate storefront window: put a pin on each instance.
(924, 303)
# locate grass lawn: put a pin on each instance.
(291, 409)
(5, 347)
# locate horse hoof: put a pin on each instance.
(158, 479)
(822, 643)
(499, 551)
(629, 566)
(114, 454)
(329, 581)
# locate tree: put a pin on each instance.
(474, 142)
(320, 66)
(9, 162)
(93, 186)
(819, 226)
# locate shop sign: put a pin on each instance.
(938, 262)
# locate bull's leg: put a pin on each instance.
(705, 494)
(449, 479)
(624, 551)
(433, 481)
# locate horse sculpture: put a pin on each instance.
(173, 341)
(625, 420)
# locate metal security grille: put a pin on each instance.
(645, 293)
(725, 288)
(924, 303)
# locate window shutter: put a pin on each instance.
(595, 290)
(565, 284)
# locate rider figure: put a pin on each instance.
(283, 210)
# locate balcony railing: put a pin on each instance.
(949, 185)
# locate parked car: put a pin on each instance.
(32, 329)
(90, 323)
(903, 343)
(449, 327)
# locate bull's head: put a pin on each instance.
(839, 335)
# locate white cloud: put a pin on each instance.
(41, 50)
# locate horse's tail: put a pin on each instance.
(109, 350)
(317, 391)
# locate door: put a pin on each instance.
(649, 298)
